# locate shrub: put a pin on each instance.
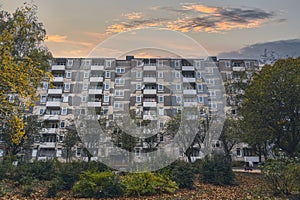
(181, 172)
(147, 184)
(217, 170)
(282, 176)
(95, 184)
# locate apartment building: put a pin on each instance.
(151, 90)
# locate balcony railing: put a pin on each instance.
(94, 104)
(190, 104)
(58, 67)
(189, 91)
(95, 91)
(54, 91)
(58, 79)
(149, 104)
(188, 68)
(96, 79)
(148, 67)
(51, 117)
(189, 79)
(238, 69)
(53, 104)
(49, 130)
(97, 67)
(149, 79)
(149, 91)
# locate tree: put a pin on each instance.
(71, 138)
(271, 108)
(23, 65)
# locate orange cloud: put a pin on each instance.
(57, 38)
(200, 8)
(133, 15)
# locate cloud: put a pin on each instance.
(198, 18)
(133, 15)
(57, 38)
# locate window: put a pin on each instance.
(178, 87)
(67, 86)
(139, 63)
(86, 75)
(119, 93)
(160, 87)
(45, 85)
(86, 63)
(82, 111)
(177, 74)
(106, 98)
(108, 63)
(83, 99)
(43, 98)
(199, 87)
(78, 152)
(70, 63)
(161, 111)
(138, 98)
(105, 110)
(64, 111)
(198, 63)
(139, 74)
(118, 105)
(120, 81)
(107, 74)
(200, 99)
(178, 99)
(238, 152)
(160, 74)
(66, 98)
(42, 110)
(227, 63)
(177, 63)
(137, 152)
(161, 138)
(160, 63)
(120, 70)
(107, 86)
(68, 74)
(247, 63)
(198, 74)
(161, 124)
(62, 124)
(212, 93)
(138, 86)
(85, 86)
(160, 99)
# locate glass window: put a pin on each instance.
(62, 124)
(138, 86)
(70, 63)
(45, 85)
(68, 74)
(178, 86)
(160, 99)
(139, 74)
(42, 110)
(160, 74)
(177, 74)
(67, 86)
(83, 99)
(106, 98)
(107, 74)
(43, 98)
(119, 93)
(120, 70)
(66, 98)
(64, 111)
(200, 99)
(85, 86)
(120, 81)
(86, 75)
(107, 86)
(138, 98)
(160, 87)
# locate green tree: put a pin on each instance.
(71, 138)
(23, 65)
(271, 107)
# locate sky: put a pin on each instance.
(78, 28)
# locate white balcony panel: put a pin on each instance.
(49, 130)
(149, 91)
(149, 68)
(95, 91)
(48, 145)
(54, 91)
(96, 79)
(190, 104)
(150, 79)
(58, 67)
(238, 69)
(94, 104)
(191, 92)
(149, 117)
(97, 67)
(188, 68)
(58, 79)
(51, 117)
(189, 80)
(53, 104)
(149, 104)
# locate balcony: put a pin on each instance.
(94, 104)
(54, 91)
(58, 67)
(149, 79)
(53, 104)
(51, 117)
(149, 117)
(149, 104)
(46, 145)
(49, 130)
(189, 92)
(189, 80)
(58, 79)
(238, 69)
(96, 79)
(95, 91)
(149, 91)
(188, 68)
(149, 67)
(97, 67)
(190, 104)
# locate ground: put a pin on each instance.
(249, 186)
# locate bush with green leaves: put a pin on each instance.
(181, 172)
(147, 183)
(282, 176)
(217, 170)
(98, 185)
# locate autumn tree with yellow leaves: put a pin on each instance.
(23, 65)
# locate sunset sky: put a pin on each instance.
(75, 27)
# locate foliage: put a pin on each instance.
(282, 176)
(217, 170)
(147, 183)
(271, 108)
(71, 138)
(95, 184)
(181, 173)
(23, 65)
